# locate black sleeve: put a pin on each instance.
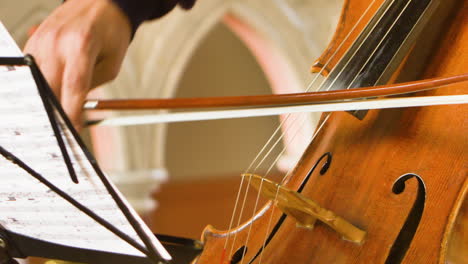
(139, 11)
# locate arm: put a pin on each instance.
(83, 42)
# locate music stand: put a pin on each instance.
(13, 245)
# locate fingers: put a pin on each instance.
(48, 61)
(76, 83)
(66, 61)
(53, 73)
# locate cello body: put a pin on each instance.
(399, 174)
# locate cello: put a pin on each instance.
(378, 186)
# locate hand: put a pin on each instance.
(79, 46)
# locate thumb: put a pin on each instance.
(75, 86)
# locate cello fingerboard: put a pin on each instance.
(372, 60)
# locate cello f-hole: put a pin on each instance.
(407, 232)
(238, 255)
(323, 169)
(327, 164)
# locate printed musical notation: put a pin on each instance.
(27, 206)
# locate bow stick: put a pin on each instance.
(268, 111)
(278, 99)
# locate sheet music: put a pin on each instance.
(29, 207)
(8, 47)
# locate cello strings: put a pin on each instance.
(319, 128)
(365, 64)
(321, 84)
(270, 220)
(288, 116)
(308, 88)
(353, 55)
(328, 114)
(295, 120)
(261, 185)
(248, 183)
(314, 136)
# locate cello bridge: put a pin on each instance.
(304, 210)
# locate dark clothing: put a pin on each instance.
(139, 11)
